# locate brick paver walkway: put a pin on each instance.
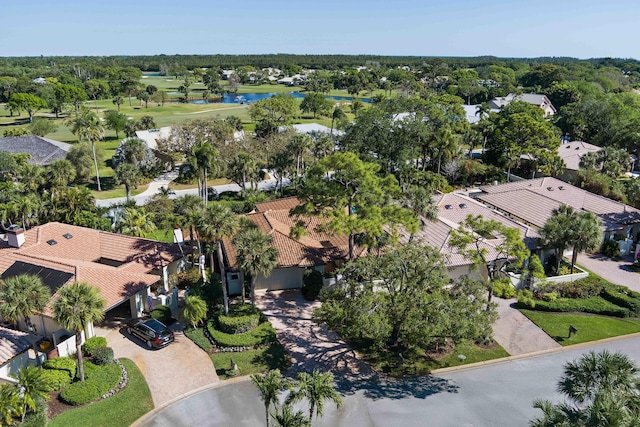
(617, 272)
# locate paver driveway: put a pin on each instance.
(617, 272)
(170, 372)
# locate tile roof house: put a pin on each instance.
(14, 347)
(536, 99)
(123, 268)
(533, 201)
(42, 151)
(322, 251)
(453, 209)
(571, 153)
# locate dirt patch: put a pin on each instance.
(57, 406)
(441, 352)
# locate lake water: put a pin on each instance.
(246, 98)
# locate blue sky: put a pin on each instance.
(582, 29)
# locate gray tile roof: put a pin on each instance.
(534, 200)
(572, 152)
(12, 343)
(43, 151)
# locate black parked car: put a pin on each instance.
(153, 332)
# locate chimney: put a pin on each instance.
(15, 236)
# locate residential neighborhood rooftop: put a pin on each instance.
(572, 152)
(12, 343)
(41, 151)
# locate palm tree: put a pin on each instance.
(216, 223)
(135, 222)
(446, 145)
(269, 386)
(337, 114)
(61, 173)
(603, 390)
(299, 145)
(204, 160)
(22, 297)
(482, 111)
(256, 255)
(10, 406)
(585, 234)
(285, 417)
(419, 200)
(316, 388)
(129, 175)
(87, 126)
(188, 208)
(118, 101)
(32, 385)
(194, 310)
(79, 305)
(555, 232)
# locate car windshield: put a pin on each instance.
(158, 327)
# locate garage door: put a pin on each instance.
(281, 278)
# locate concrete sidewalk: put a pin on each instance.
(516, 333)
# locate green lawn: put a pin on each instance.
(161, 235)
(590, 327)
(119, 410)
(415, 361)
(252, 361)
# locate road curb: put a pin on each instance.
(165, 405)
(532, 355)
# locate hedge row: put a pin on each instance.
(238, 324)
(197, 336)
(62, 364)
(98, 381)
(623, 297)
(593, 305)
(262, 334)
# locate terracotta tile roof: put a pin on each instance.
(314, 248)
(534, 200)
(131, 259)
(12, 343)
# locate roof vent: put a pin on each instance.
(577, 148)
(448, 207)
(463, 205)
(568, 146)
(561, 187)
(67, 236)
(51, 242)
(550, 188)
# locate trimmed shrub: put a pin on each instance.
(197, 336)
(99, 380)
(525, 299)
(103, 356)
(549, 296)
(92, 343)
(263, 334)
(504, 289)
(238, 324)
(584, 288)
(624, 297)
(186, 278)
(312, 284)
(62, 364)
(594, 305)
(56, 378)
(610, 248)
(161, 313)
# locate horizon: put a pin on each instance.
(460, 28)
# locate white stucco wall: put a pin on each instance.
(14, 365)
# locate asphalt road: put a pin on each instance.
(491, 396)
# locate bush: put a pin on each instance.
(504, 289)
(62, 364)
(188, 278)
(610, 248)
(549, 296)
(238, 324)
(92, 343)
(236, 206)
(103, 355)
(197, 336)
(56, 378)
(525, 299)
(263, 334)
(584, 288)
(594, 305)
(161, 313)
(37, 418)
(624, 297)
(312, 284)
(99, 380)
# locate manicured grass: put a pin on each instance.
(252, 361)
(590, 327)
(415, 361)
(119, 410)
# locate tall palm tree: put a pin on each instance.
(205, 160)
(216, 223)
(135, 222)
(446, 145)
(88, 127)
(585, 235)
(337, 114)
(187, 209)
(256, 255)
(269, 386)
(285, 417)
(79, 305)
(299, 145)
(315, 388)
(22, 297)
(61, 173)
(194, 310)
(118, 101)
(32, 385)
(129, 175)
(555, 232)
(10, 406)
(603, 390)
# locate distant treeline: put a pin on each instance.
(22, 65)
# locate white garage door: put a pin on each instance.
(281, 278)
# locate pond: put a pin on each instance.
(246, 98)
